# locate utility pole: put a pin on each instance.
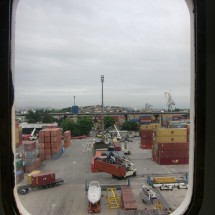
(102, 81)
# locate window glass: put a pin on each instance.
(85, 73)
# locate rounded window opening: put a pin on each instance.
(101, 85)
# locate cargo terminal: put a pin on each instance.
(55, 169)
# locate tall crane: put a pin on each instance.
(170, 101)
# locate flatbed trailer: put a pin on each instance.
(94, 208)
(24, 189)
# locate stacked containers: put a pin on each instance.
(145, 119)
(19, 176)
(67, 138)
(18, 135)
(147, 138)
(19, 169)
(171, 146)
(50, 146)
(147, 133)
(30, 156)
(178, 123)
(165, 118)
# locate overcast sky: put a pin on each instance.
(142, 47)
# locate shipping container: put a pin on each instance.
(35, 172)
(30, 154)
(171, 132)
(174, 139)
(31, 168)
(146, 146)
(172, 161)
(160, 180)
(172, 146)
(116, 170)
(55, 132)
(19, 176)
(172, 154)
(19, 163)
(43, 178)
(29, 145)
(38, 163)
(147, 142)
(128, 200)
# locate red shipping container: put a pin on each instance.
(92, 166)
(45, 132)
(171, 154)
(29, 169)
(172, 161)
(147, 131)
(43, 178)
(55, 145)
(67, 144)
(67, 134)
(47, 139)
(172, 146)
(41, 151)
(55, 132)
(56, 150)
(128, 199)
(55, 139)
(148, 146)
(42, 157)
(20, 137)
(47, 145)
(147, 142)
(41, 145)
(41, 139)
(38, 163)
(116, 170)
(48, 151)
(29, 146)
(48, 157)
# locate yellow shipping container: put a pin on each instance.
(161, 180)
(155, 125)
(35, 172)
(166, 116)
(142, 127)
(174, 139)
(171, 132)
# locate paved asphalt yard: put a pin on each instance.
(73, 166)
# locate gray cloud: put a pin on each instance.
(62, 48)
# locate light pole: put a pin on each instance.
(102, 80)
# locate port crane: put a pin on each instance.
(170, 101)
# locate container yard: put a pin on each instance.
(158, 160)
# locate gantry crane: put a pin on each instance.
(170, 101)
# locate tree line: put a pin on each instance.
(82, 126)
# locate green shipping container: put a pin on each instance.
(19, 163)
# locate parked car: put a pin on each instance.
(166, 187)
(183, 186)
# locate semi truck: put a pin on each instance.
(41, 180)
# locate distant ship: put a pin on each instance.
(94, 192)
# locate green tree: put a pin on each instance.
(40, 115)
(83, 126)
(67, 124)
(108, 121)
(130, 126)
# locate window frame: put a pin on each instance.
(8, 203)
